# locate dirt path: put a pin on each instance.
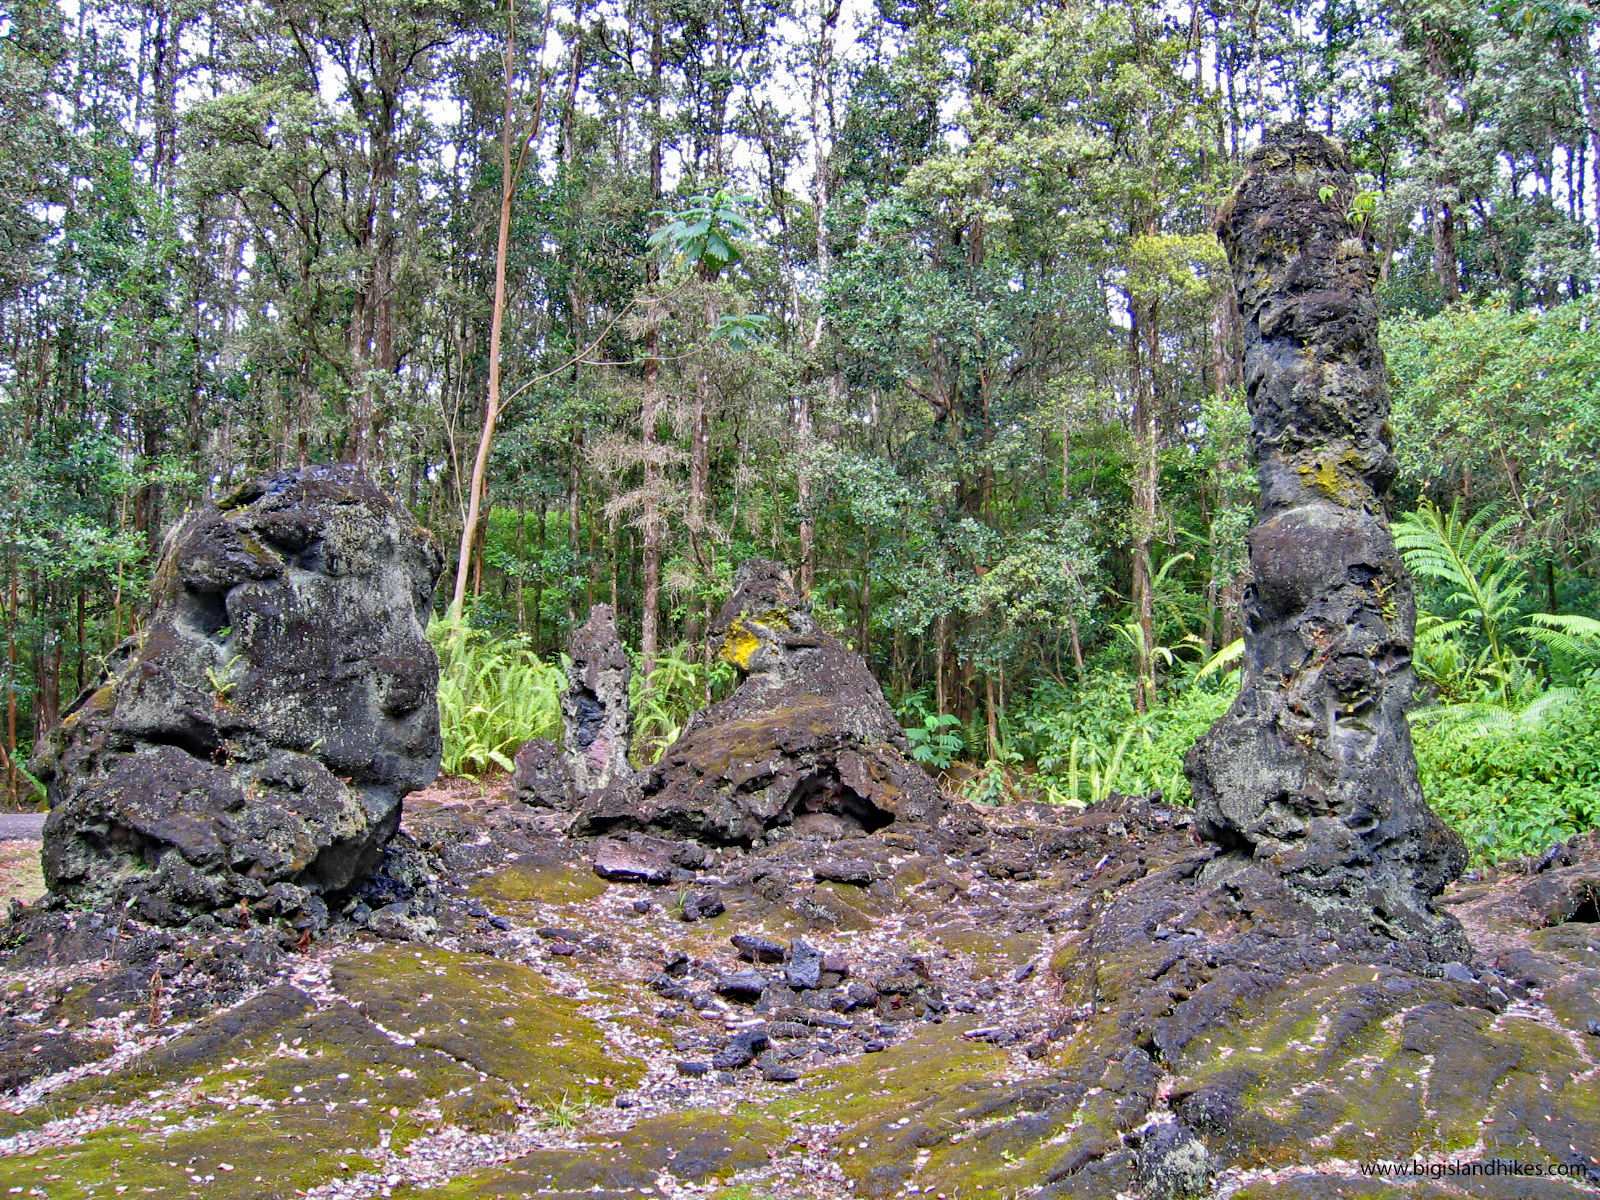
(23, 827)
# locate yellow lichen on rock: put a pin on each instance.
(1332, 477)
(740, 645)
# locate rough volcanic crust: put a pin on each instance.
(1312, 768)
(807, 742)
(595, 710)
(1026, 1001)
(254, 748)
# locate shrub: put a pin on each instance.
(1515, 787)
(1088, 744)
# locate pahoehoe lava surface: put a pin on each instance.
(793, 965)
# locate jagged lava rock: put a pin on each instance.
(1312, 768)
(806, 743)
(595, 712)
(255, 744)
(541, 775)
(596, 719)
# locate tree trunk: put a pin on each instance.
(650, 518)
(1142, 346)
(509, 173)
(821, 119)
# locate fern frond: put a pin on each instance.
(1223, 660)
(1485, 718)
(1565, 633)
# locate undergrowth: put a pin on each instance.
(494, 694)
(1508, 751)
(1515, 788)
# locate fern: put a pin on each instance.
(1223, 661)
(1488, 719)
(1468, 556)
(493, 696)
(1567, 636)
(664, 700)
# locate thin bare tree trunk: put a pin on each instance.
(509, 174)
(700, 450)
(1066, 499)
(821, 114)
(1142, 330)
(14, 614)
(991, 707)
(650, 614)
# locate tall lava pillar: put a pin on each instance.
(1311, 772)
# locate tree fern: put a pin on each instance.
(1469, 556)
(1567, 636)
(1486, 718)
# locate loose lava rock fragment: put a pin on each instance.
(621, 862)
(249, 753)
(806, 744)
(757, 948)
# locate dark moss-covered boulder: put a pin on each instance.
(806, 744)
(250, 753)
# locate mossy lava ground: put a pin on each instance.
(1020, 1001)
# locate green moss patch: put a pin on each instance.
(933, 1109)
(693, 1147)
(499, 1018)
(534, 882)
(1361, 1063)
(230, 1158)
(994, 953)
(272, 1092)
(284, 1091)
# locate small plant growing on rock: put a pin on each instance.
(221, 684)
(564, 1114)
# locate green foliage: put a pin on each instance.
(936, 742)
(1572, 641)
(742, 331)
(1468, 555)
(565, 1114)
(997, 781)
(493, 696)
(665, 699)
(1475, 657)
(707, 233)
(1091, 743)
(1512, 398)
(1505, 755)
(1513, 787)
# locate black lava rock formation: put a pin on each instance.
(596, 720)
(594, 708)
(806, 744)
(1312, 770)
(250, 755)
